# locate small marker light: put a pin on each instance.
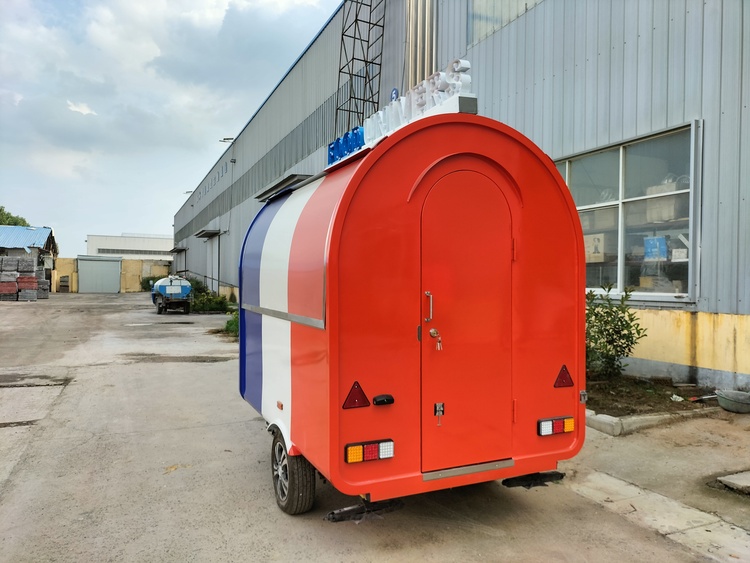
(372, 451)
(386, 449)
(354, 453)
(545, 427)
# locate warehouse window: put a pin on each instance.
(636, 204)
(123, 251)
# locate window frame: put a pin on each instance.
(692, 292)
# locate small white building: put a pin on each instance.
(131, 246)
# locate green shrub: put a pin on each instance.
(233, 324)
(203, 302)
(199, 288)
(612, 331)
(145, 282)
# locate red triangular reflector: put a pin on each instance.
(563, 378)
(356, 398)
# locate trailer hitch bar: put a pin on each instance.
(361, 511)
(534, 479)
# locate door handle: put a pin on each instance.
(429, 296)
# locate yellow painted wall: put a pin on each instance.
(133, 271)
(705, 340)
(227, 291)
(65, 267)
(130, 276)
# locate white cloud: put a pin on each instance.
(10, 97)
(61, 164)
(164, 79)
(82, 108)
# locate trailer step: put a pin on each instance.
(361, 511)
(534, 479)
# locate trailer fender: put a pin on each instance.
(277, 427)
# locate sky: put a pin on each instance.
(110, 110)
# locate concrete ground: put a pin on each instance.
(668, 478)
(123, 438)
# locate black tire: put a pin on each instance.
(159, 307)
(186, 308)
(293, 478)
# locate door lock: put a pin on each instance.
(435, 334)
(439, 411)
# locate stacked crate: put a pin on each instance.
(8, 291)
(27, 287)
(21, 281)
(43, 291)
(8, 276)
(26, 266)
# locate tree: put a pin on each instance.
(7, 218)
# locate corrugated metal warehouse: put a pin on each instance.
(644, 105)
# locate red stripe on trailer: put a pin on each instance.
(307, 298)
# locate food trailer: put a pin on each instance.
(413, 318)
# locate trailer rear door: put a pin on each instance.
(466, 303)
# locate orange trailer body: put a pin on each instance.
(441, 271)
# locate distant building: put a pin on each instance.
(30, 242)
(131, 246)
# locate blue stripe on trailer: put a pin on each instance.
(251, 333)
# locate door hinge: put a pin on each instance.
(584, 397)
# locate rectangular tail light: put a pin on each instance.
(368, 451)
(559, 425)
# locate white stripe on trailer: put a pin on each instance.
(277, 374)
(274, 260)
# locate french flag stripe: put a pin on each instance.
(251, 375)
(274, 265)
(274, 296)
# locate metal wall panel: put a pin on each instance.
(743, 254)
(677, 55)
(392, 71)
(730, 102)
(451, 31)
(603, 91)
(644, 67)
(693, 86)
(711, 237)
(615, 61)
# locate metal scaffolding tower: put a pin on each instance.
(360, 57)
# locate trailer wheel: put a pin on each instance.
(186, 308)
(293, 478)
(159, 307)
